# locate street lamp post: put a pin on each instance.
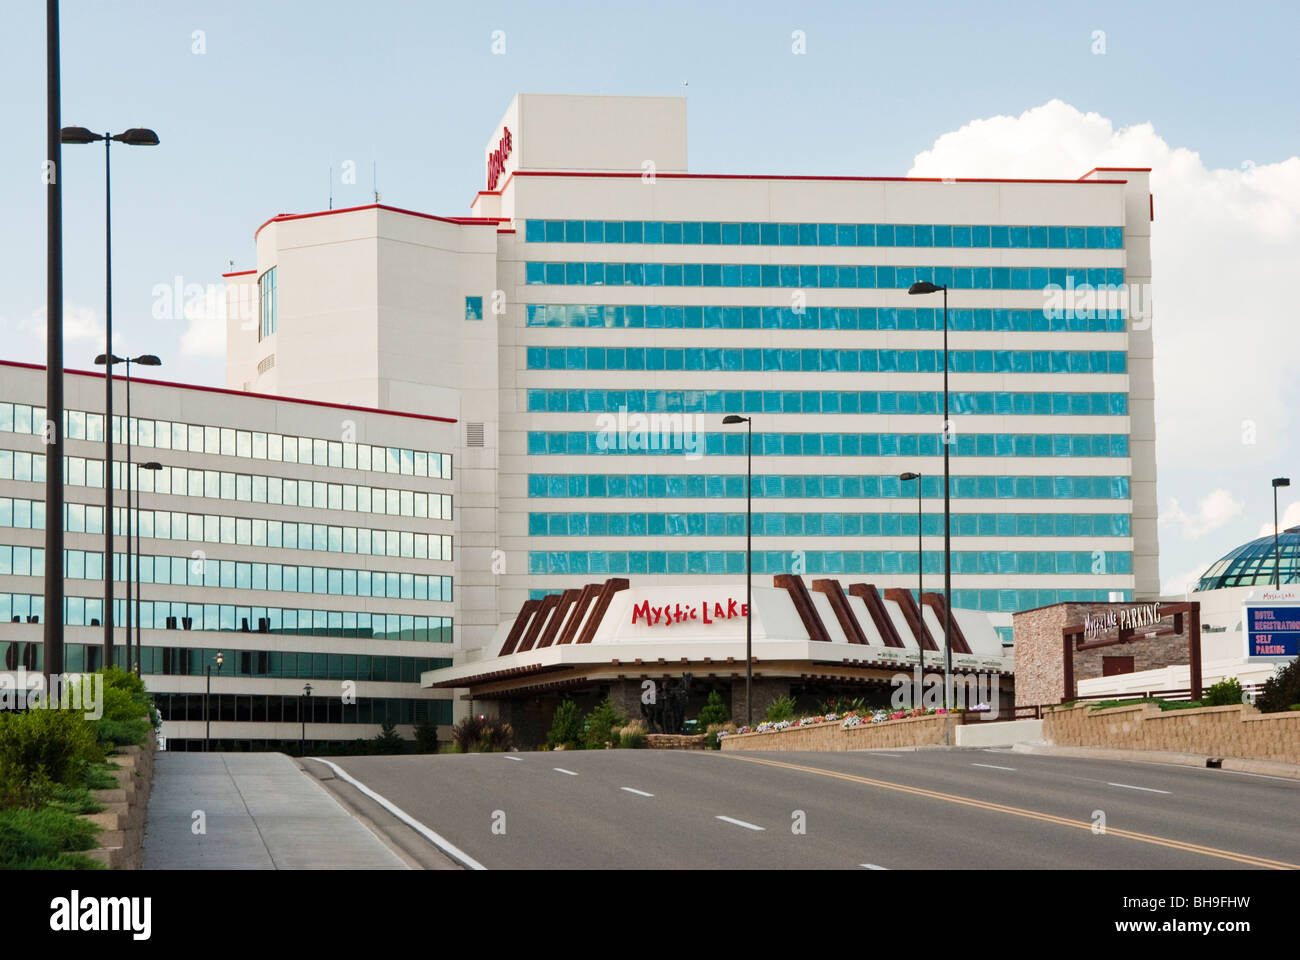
(306, 702)
(920, 563)
(137, 137)
(207, 716)
(107, 361)
(1277, 556)
(152, 466)
(924, 286)
(732, 420)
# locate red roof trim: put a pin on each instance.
(462, 221)
(239, 393)
(751, 176)
(1120, 169)
(239, 273)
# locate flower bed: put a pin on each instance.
(854, 718)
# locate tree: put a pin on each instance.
(388, 740)
(600, 725)
(426, 736)
(566, 727)
(714, 712)
(1281, 690)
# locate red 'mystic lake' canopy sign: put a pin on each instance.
(683, 613)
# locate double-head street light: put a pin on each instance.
(730, 421)
(1277, 556)
(924, 286)
(135, 137)
(107, 361)
(920, 563)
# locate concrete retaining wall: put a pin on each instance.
(997, 733)
(123, 817)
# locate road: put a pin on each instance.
(944, 809)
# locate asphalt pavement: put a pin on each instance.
(887, 810)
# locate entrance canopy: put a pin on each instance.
(824, 629)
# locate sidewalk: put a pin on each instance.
(262, 813)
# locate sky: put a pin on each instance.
(259, 106)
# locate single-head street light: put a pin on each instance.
(1277, 556)
(920, 565)
(732, 420)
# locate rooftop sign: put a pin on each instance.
(498, 157)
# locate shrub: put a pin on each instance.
(120, 733)
(713, 712)
(388, 741)
(600, 723)
(1281, 690)
(566, 727)
(45, 839)
(630, 739)
(41, 749)
(426, 736)
(1225, 693)
(712, 740)
(782, 709)
(496, 736)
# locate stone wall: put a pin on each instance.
(1233, 731)
(912, 732)
(674, 741)
(1040, 676)
(766, 692)
(123, 817)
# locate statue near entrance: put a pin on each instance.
(667, 713)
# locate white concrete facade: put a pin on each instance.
(372, 310)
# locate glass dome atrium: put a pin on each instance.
(1252, 564)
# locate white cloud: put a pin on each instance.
(79, 323)
(1224, 245)
(1212, 512)
(1181, 583)
(1289, 517)
(205, 314)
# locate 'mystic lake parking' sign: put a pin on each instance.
(1270, 624)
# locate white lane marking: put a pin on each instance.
(515, 759)
(993, 766)
(739, 823)
(562, 770)
(639, 793)
(1129, 786)
(441, 843)
(872, 866)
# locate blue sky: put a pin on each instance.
(250, 127)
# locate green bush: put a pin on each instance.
(631, 740)
(120, 733)
(600, 723)
(497, 736)
(782, 709)
(1281, 690)
(426, 736)
(566, 727)
(45, 839)
(1225, 693)
(713, 712)
(41, 749)
(388, 741)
